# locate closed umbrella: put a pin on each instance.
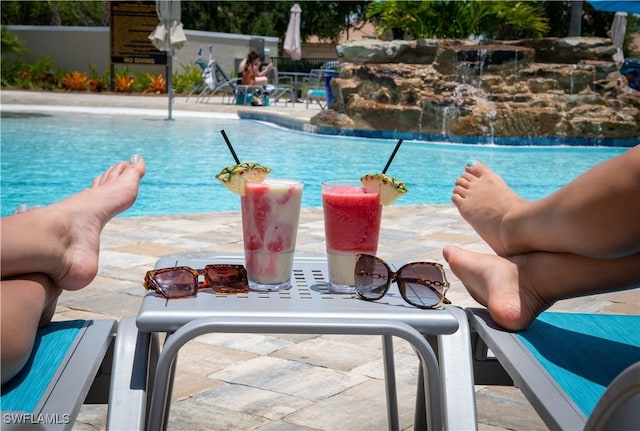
(618, 30)
(292, 44)
(168, 36)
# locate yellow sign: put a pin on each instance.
(131, 24)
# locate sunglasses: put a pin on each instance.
(421, 284)
(182, 281)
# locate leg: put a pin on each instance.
(26, 304)
(595, 215)
(516, 289)
(62, 240)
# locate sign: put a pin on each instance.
(131, 24)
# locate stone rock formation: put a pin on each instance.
(530, 88)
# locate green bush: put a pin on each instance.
(190, 77)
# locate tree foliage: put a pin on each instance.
(460, 19)
(325, 19)
(68, 13)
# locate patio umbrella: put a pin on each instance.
(292, 44)
(629, 6)
(168, 36)
(618, 30)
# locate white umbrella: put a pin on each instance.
(618, 30)
(168, 36)
(292, 44)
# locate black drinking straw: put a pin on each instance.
(395, 150)
(233, 153)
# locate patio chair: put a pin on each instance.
(316, 92)
(282, 88)
(578, 371)
(70, 365)
(135, 358)
(216, 81)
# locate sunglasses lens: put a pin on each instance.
(227, 279)
(372, 277)
(175, 283)
(423, 284)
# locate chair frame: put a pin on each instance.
(514, 364)
(82, 377)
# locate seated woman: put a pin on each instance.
(250, 70)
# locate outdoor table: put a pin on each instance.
(445, 390)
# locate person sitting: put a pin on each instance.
(49, 249)
(252, 75)
(583, 239)
(250, 70)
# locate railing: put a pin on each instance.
(304, 65)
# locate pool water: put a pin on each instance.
(50, 156)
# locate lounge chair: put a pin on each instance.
(316, 92)
(135, 358)
(217, 81)
(283, 90)
(578, 371)
(70, 365)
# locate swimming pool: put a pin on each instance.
(49, 156)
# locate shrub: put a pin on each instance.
(157, 84)
(75, 81)
(190, 77)
(96, 82)
(123, 84)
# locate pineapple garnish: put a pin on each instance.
(389, 188)
(234, 177)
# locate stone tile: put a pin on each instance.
(506, 408)
(289, 377)
(362, 407)
(406, 366)
(194, 415)
(188, 384)
(202, 358)
(272, 405)
(91, 417)
(252, 343)
(330, 353)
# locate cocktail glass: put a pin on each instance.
(352, 226)
(270, 214)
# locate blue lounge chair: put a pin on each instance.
(70, 365)
(316, 92)
(578, 371)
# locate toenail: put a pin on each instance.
(471, 163)
(23, 208)
(135, 158)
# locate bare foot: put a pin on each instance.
(82, 217)
(484, 201)
(499, 284)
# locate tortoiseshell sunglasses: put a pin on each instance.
(421, 284)
(182, 281)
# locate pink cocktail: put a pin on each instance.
(270, 214)
(352, 226)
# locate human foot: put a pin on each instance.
(82, 217)
(484, 200)
(499, 284)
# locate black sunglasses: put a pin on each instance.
(421, 284)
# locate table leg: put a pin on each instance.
(195, 328)
(390, 380)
